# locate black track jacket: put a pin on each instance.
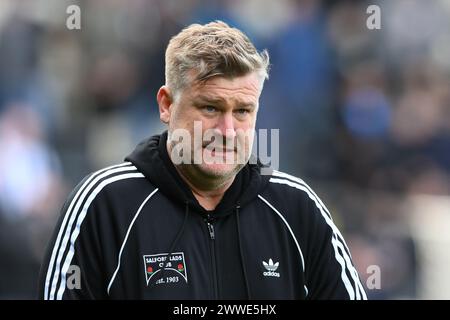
(135, 231)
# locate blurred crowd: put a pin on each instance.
(364, 115)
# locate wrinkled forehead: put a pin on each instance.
(242, 90)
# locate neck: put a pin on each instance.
(208, 192)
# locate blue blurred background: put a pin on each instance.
(364, 118)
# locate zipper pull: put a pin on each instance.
(211, 231)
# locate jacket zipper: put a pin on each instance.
(209, 223)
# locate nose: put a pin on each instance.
(226, 125)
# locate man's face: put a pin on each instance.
(225, 108)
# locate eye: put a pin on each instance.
(242, 111)
(209, 109)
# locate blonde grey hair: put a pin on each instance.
(213, 49)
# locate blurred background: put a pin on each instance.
(364, 118)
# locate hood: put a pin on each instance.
(152, 159)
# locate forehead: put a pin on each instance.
(244, 89)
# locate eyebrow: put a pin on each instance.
(208, 99)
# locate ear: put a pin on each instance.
(165, 101)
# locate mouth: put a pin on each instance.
(220, 149)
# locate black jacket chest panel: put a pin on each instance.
(209, 263)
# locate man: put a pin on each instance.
(194, 218)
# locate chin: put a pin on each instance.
(220, 170)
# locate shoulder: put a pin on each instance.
(286, 184)
(293, 195)
(108, 178)
(107, 196)
(117, 182)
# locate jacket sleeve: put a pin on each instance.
(330, 273)
(72, 265)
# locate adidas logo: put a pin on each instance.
(271, 268)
